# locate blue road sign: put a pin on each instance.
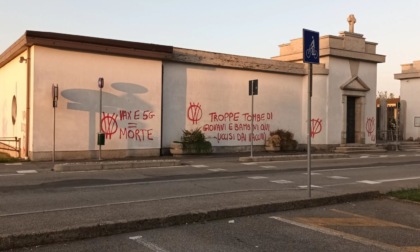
(310, 46)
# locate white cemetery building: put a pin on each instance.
(152, 93)
(409, 117)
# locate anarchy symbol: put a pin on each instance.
(194, 112)
(370, 128)
(316, 127)
(109, 124)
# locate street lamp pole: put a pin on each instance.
(101, 139)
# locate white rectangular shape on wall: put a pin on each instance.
(416, 121)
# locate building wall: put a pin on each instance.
(341, 71)
(368, 73)
(131, 104)
(409, 90)
(351, 62)
(13, 83)
(319, 110)
(152, 93)
(217, 100)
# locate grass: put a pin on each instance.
(406, 194)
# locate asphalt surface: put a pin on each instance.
(373, 225)
(23, 229)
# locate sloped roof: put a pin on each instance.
(86, 44)
(152, 51)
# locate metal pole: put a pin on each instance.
(252, 121)
(309, 128)
(53, 157)
(398, 128)
(55, 103)
(100, 120)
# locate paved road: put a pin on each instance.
(36, 200)
(376, 225)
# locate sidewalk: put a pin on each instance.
(129, 163)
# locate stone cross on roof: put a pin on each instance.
(352, 20)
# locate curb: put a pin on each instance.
(291, 157)
(112, 228)
(108, 165)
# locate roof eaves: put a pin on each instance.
(13, 51)
(85, 44)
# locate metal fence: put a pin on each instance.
(389, 135)
(10, 144)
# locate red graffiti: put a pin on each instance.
(140, 135)
(235, 127)
(24, 145)
(109, 124)
(316, 127)
(237, 116)
(194, 112)
(136, 115)
(226, 117)
(370, 128)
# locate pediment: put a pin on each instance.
(355, 84)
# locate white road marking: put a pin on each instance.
(331, 232)
(398, 179)
(199, 166)
(132, 202)
(403, 155)
(252, 163)
(282, 181)
(149, 245)
(372, 182)
(338, 177)
(217, 169)
(417, 155)
(369, 182)
(112, 170)
(258, 177)
(312, 173)
(364, 156)
(13, 164)
(27, 172)
(7, 175)
(383, 156)
(354, 168)
(268, 166)
(312, 186)
(151, 182)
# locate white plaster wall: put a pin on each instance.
(319, 103)
(13, 83)
(131, 101)
(217, 100)
(340, 73)
(409, 93)
(368, 73)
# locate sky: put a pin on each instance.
(240, 27)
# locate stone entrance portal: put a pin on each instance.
(353, 112)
